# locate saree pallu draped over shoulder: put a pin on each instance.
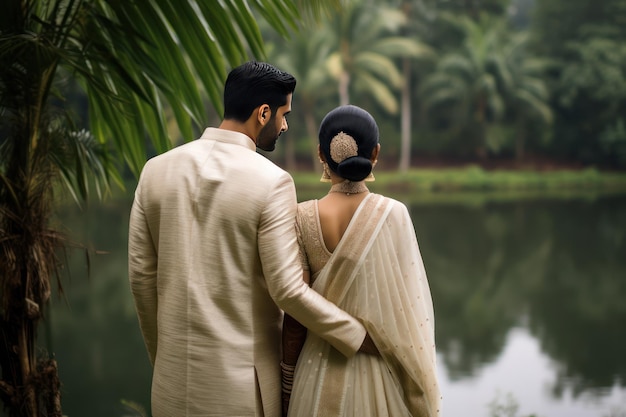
(375, 274)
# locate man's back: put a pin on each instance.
(218, 328)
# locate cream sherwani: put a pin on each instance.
(212, 252)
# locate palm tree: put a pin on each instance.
(417, 13)
(133, 59)
(465, 82)
(525, 92)
(356, 49)
(367, 42)
(305, 57)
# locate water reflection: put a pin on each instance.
(579, 313)
(94, 332)
(553, 270)
(556, 268)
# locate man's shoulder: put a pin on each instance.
(185, 147)
(264, 167)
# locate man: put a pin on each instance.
(213, 251)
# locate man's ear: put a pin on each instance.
(263, 114)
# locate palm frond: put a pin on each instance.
(400, 47)
(457, 64)
(374, 87)
(532, 105)
(370, 64)
(82, 161)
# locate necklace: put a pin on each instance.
(348, 187)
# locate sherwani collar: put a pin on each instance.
(228, 136)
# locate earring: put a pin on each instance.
(325, 173)
(370, 177)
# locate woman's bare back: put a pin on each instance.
(336, 211)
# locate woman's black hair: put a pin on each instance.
(359, 124)
(252, 84)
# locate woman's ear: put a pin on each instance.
(320, 154)
(375, 152)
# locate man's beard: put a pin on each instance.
(268, 136)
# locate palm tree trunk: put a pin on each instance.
(481, 129)
(405, 134)
(27, 259)
(344, 87)
(25, 358)
(311, 130)
(29, 385)
(520, 140)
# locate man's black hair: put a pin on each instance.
(252, 84)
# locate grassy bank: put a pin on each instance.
(470, 185)
(441, 185)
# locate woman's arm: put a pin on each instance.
(294, 335)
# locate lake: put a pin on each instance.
(529, 301)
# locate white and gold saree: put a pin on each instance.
(375, 274)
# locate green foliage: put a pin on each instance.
(613, 142)
(474, 178)
(464, 87)
(490, 80)
(473, 8)
(136, 59)
(596, 70)
(587, 39)
(557, 22)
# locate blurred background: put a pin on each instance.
(503, 129)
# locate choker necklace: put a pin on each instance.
(348, 187)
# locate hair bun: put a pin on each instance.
(355, 168)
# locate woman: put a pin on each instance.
(359, 250)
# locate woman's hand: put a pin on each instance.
(368, 346)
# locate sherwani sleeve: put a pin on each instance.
(142, 272)
(278, 249)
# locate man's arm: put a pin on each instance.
(142, 272)
(278, 249)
